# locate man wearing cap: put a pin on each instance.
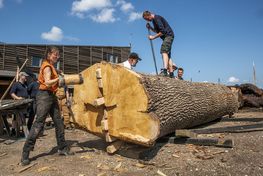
(19, 91)
(132, 61)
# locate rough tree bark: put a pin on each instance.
(251, 89)
(140, 108)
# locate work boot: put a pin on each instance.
(25, 158)
(66, 152)
(171, 74)
(164, 72)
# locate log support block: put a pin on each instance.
(99, 101)
(114, 147)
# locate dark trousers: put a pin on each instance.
(46, 104)
(32, 113)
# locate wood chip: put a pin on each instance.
(147, 162)
(102, 174)
(85, 157)
(176, 156)
(99, 165)
(140, 165)
(27, 167)
(104, 167)
(43, 169)
(161, 173)
(204, 157)
(117, 168)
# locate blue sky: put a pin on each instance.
(213, 38)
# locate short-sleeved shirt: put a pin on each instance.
(161, 25)
(33, 89)
(19, 90)
(126, 64)
(180, 78)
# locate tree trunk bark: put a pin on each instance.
(114, 102)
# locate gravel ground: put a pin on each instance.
(245, 158)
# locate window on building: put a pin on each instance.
(36, 61)
(57, 65)
(110, 58)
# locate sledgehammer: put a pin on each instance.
(154, 60)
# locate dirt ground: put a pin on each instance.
(245, 158)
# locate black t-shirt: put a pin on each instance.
(161, 25)
(33, 89)
(19, 90)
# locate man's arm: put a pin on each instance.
(152, 37)
(47, 76)
(13, 95)
(13, 92)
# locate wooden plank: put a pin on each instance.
(98, 73)
(228, 143)
(27, 167)
(100, 83)
(230, 129)
(185, 133)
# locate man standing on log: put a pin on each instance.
(132, 61)
(165, 32)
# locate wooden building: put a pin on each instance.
(73, 59)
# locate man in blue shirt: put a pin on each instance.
(19, 91)
(165, 32)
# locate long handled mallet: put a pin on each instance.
(154, 60)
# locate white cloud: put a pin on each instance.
(105, 16)
(103, 11)
(233, 79)
(54, 35)
(125, 6)
(1, 3)
(134, 16)
(79, 7)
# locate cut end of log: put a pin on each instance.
(124, 99)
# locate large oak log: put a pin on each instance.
(114, 102)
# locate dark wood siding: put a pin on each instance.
(2, 57)
(73, 59)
